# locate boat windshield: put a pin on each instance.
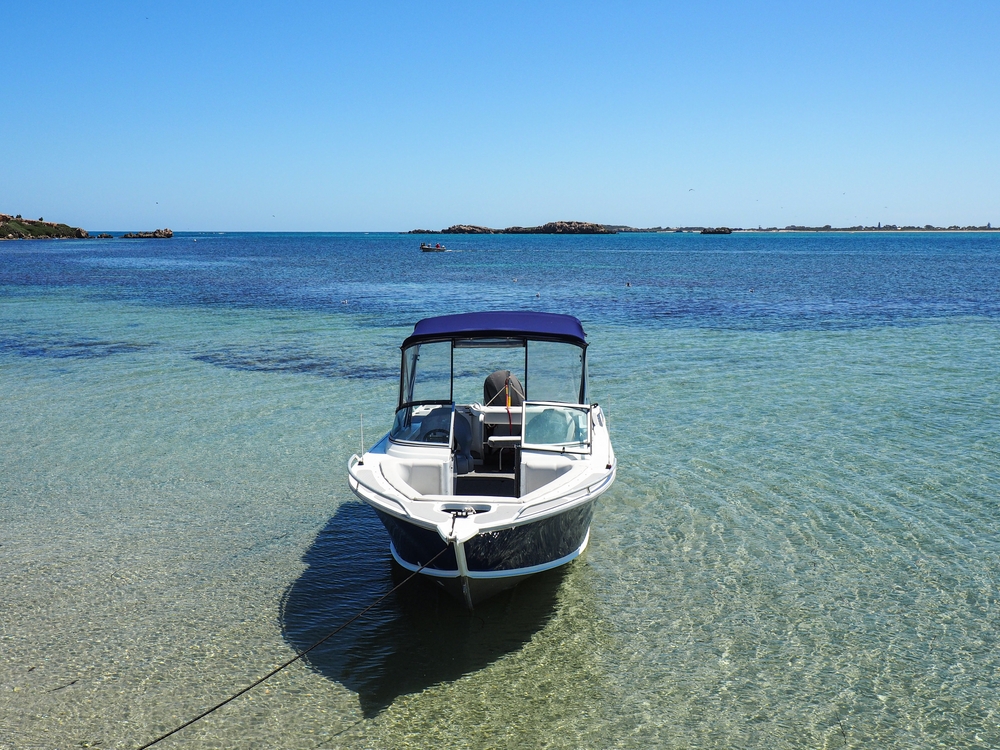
(454, 371)
(475, 359)
(557, 371)
(422, 423)
(426, 373)
(552, 426)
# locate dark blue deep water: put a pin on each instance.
(742, 282)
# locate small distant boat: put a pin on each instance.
(436, 248)
(717, 230)
(492, 491)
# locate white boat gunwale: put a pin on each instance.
(537, 510)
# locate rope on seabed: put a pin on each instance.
(298, 656)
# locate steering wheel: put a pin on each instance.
(437, 435)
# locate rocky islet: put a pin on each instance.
(18, 228)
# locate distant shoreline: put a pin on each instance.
(553, 227)
(583, 227)
(17, 228)
(911, 230)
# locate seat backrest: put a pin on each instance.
(493, 389)
(463, 445)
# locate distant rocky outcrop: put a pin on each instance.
(562, 227)
(553, 227)
(717, 230)
(16, 228)
(164, 234)
(626, 228)
(471, 229)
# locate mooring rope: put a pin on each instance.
(298, 656)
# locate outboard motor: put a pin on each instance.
(497, 383)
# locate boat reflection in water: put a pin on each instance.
(477, 495)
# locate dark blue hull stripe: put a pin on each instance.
(520, 550)
(494, 574)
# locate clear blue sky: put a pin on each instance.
(346, 116)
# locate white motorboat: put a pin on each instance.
(496, 456)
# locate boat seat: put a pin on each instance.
(464, 463)
(413, 478)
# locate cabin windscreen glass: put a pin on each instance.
(556, 372)
(426, 374)
(473, 364)
(422, 423)
(556, 426)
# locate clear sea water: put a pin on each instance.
(802, 549)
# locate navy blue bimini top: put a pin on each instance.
(499, 323)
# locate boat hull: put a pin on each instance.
(491, 561)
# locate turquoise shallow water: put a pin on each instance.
(801, 549)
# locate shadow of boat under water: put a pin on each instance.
(416, 638)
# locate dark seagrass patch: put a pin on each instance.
(54, 347)
(293, 360)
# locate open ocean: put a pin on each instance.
(802, 549)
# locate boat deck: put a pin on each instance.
(491, 483)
